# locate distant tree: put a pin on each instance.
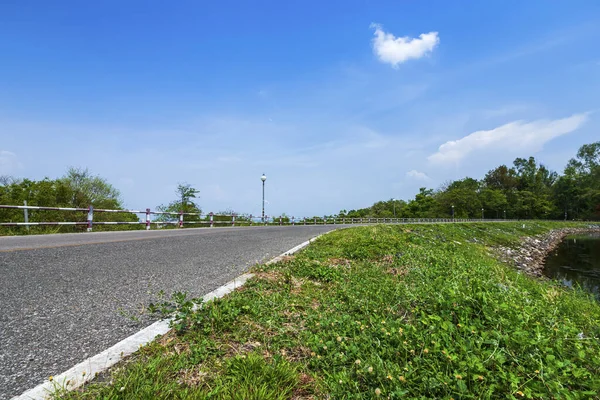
(501, 178)
(77, 189)
(6, 180)
(424, 204)
(526, 190)
(578, 190)
(463, 195)
(183, 203)
(494, 202)
(87, 189)
(588, 158)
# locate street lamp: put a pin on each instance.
(452, 212)
(263, 178)
(504, 214)
(482, 213)
(394, 202)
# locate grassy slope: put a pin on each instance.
(397, 311)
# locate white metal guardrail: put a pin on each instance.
(212, 219)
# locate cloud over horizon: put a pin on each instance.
(417, 175)
(396, 50)
(518, 134)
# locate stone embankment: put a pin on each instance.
(530, 256)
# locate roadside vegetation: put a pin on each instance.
(386, 311)
(78, 188)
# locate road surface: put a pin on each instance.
(67, 297)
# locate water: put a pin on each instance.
(576, 261)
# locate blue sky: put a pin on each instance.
(339, 103)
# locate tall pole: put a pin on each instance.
(452, 212)
(482, 213)
(263, 178)
(394, 200)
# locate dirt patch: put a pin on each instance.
(399, 271)
(306, 388)
(296, 353)
(314, 304)
(386, 260)
(339, 262)
(269, 276)
(235, 348)
(172, 343)
(192, 377)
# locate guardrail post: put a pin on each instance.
(90, 218)
(147, 219)
(26, 215)
(181, 219)
(212, 221)
(233, 220)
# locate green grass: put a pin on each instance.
(421, 311)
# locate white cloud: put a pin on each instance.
(515, 135)
(392, 50)
(420, 176)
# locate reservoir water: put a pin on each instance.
(576, 261)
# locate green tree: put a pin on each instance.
(87, 189)
(77, 189)
(185, 202)
(494, 202)
(578, 190)
(463, 194)
(424, 205)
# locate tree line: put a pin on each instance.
(78, 188)
(525, 190)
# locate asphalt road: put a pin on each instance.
(63, 297)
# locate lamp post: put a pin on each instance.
(452, 212)
(482, 213)
(504, 214)
(394, 202)
(263, 178)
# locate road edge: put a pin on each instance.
(88, 369)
